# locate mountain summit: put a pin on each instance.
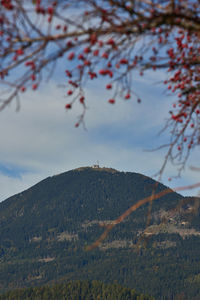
(44, 232)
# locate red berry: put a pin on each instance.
(110, 73)
(110, 42)
(111, 101)
(34, 86)
(92, 75)
(123, 61)
(68, 106)
(86, 50)
(128, 96)
(69, 44)
(23, 89)
(71, 56)
(96, 52)
(33, 77)
(50, 10)
(100, 43)
(87, 63)
(73, 83)
(28, 63)
(105, 55)
(68, 73)
(20, 52)
(70, 92)
(81, 56)
(58, 27)
(103, 72)
(109, 86)
(82, 99)
(93, 38)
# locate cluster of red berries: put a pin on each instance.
(88, 64)
(7, 4)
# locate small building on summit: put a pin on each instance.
(95, 166)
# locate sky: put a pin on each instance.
(40, 140)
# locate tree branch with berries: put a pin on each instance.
(107, 39)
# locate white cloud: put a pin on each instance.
(12, 185)
(42, 140)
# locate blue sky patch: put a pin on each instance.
(11, 170)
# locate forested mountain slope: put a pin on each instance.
(77, 290)
(44, 232)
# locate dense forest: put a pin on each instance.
(78, 290)
(44, 232)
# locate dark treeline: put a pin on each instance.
(79, 290)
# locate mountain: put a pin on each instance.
(76, 290)
(44, 232)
